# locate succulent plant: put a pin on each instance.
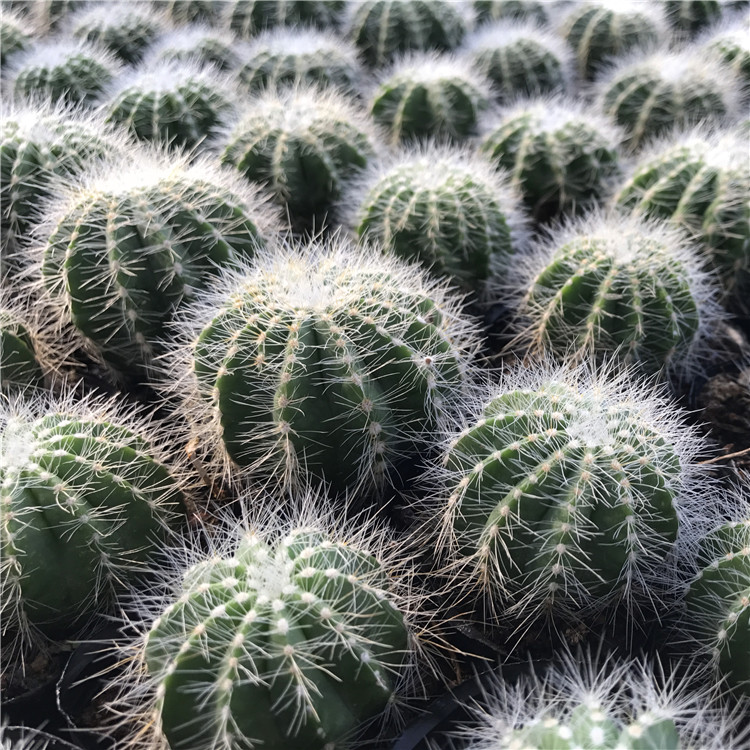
(428, 96)
(246, 18)
(126, 245)
(668, 91)
(16, 35)
(175, 102)
(197, 42)
(731, 43)
(560, 156)
(86, 499)
(322, 362)
(19, 368)
(301, 143)
(52, 15)
(527, 10)
(383, 29)
(184, 12)
(598, 30)
(520, 58)
(445, 207)
(610, 286)
(688, 17)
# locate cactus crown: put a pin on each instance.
(730, 40)
(204, 43)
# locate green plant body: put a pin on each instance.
(247, 18)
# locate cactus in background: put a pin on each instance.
(561, 157)
(322, 362)
(202, 43)
(294, 57)
(71, 71)
(247, 18)
(383, 29)
(731, 43)
(138, 236)
(302, 144)
(16, 35)
(668, 91)
(184, 12)
(86, 500)
(520, 59)
(689, 17)
(428, 96)
(178, 102)
(598, 30)
(700, 180)
(446, 208)
(52, 15)
(565, 494)
(512, 10)
(19, 368)
(618, 286)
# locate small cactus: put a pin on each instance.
(19, 367)
(302, 144)
(247, 18)
(689, 17)
(446, 208)
(52, 15)
(321, 361)
(202, 43)
(428, 96)
(512, 10)
(184, 12)
(16, 35)
(731, 43)
(384, 29)
(560, 156)
(176, 102)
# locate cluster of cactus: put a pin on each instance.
(201, 43)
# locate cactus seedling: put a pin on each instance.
(246, 18)
(202, 43)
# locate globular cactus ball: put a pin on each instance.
(247, 18)
(204, 44)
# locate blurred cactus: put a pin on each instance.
(247, 18)
(16, 35)
(202, 43)
(19, 368)
(731, 43)
(184, 12)
(505, 10)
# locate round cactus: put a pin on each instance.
(382, 29)
(176, 102)
(128, 244)
(52, 15)
(430, 96)
(202, 43)
(688, 17)
(560, 156)
(86, 498)
(731, 43)
(74, 72)
(700, 180)
(184, 12)
(246, 18)
(321, 361)
(443, 207)
(507, 10)
(668, 91)
(564, 495)
(617, 286)
(520, 59)
(301, 143)
(598, 30)
(19, 368)
(290, 57)
(16, 35)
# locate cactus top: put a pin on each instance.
(731, 42)
(204, 43)
(246, 18)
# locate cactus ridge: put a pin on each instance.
(513, 10)
(199, 42)
(247, 18)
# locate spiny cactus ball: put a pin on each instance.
(668, 91)
(689, 17)
(598, 30)
(74, 72)
(520, 58)
(19, 368)
(291, 57)
(127, 243)
(505, 10)
(427, 96)
(322, 362)
(85, 500)
(176, 102)
(184, 12)
(52, 15)
(560, 156)
(301, 143)
(731, 42)
(16, 35)
(202, 43)
(383, 29)
(246, 18)
(617, 286)
(446, 208)
(563, 495)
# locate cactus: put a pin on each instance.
(564, 495)
(519, 58)
(383, 29)
(177, 102)
(301, 143)
(322, 361)
(443, 207)
(19, 368)
(561, 157)
(668, 91)
(430, 96)
(291, 57)
(689, 17)
(86, 499)
(246, 18)
(184, 12)
(202, 43)
(126, 245)
(618, 286)
(598, 30)
(700, 180)
(74, 72)
(16, 35)
(731, 43)
(512, 10)
(52, 15)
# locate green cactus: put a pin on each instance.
(127, 245)
(700, 180)
(52, 15)
(202, 43)
(689, 17)
(731, 42)
(321, 363)
(185, 12)
(16, 35)
(176, 102)
(19, 368)
(445, 208)
(427, 96)
(383, 29)
(598, 30)
(510, 10)
(302, 144)
(561, 157)
(246, 18)
(85, 500)
(294, 57)
(610, 286)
